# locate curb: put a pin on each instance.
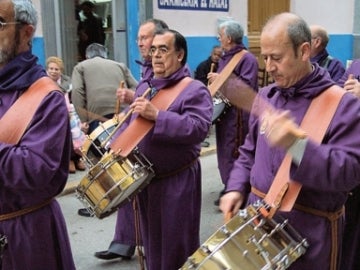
(71, 185)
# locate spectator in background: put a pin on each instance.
(55, 70)
(90, 28)
(95, 81)
(319, 54)
(202, 70)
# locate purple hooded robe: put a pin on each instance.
(33, 171)
(124, 240)
(170, 205)
(327, 171)
(233, 125)
(334, 66)
(351, 241)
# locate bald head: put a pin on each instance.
(320, 32)
(292, 27)
(285, 47)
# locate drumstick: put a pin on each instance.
(228, 216)
(211, 69)
(123, 120)
(244, 97)
(117, 106)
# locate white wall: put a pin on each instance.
(39, 31)
(336, 16)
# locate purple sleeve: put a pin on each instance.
(353, 69)
(247, 70)
(336, 69)
(335, 164)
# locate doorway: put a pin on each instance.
(258, 13)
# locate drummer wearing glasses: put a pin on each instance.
(170, 205)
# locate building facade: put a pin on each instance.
(197, 20)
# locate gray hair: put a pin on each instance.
(159, 25)
(96, 49)
(25, 12)
(297, 29)
(233, 29)
(299, 32)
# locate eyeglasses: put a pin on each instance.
(161, 50)
(4, 24)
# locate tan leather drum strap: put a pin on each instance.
(138, 128)
(325, 106)
(15, 121)
(226, 72)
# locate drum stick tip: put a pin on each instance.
(228, 216)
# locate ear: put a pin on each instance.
(228, 39)
(305, 51)
(29, 31)
(180, 55)
(26, 35)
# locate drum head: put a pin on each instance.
(92, 148)
(113, 181)
(250, 241)
(219, 109)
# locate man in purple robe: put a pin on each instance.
(327, 171)
(124, 241)
(33, 171)
(351, 242)
(170, 205)
(232, 126)
(319, 54)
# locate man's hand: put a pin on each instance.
(280, 129)
(230, 204)
(145, 108)
(353, 86)
(125, 95)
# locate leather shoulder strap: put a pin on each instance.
(226, 72)
(15, 121)
(139, 127)
(325, 105)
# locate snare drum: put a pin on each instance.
(250, 241)
(114, 181)
(221, 105)
(92, 149)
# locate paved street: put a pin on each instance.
(88, 235)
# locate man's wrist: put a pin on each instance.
(297, 149)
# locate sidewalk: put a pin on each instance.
(74, 179)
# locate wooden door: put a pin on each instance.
(258, 13)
